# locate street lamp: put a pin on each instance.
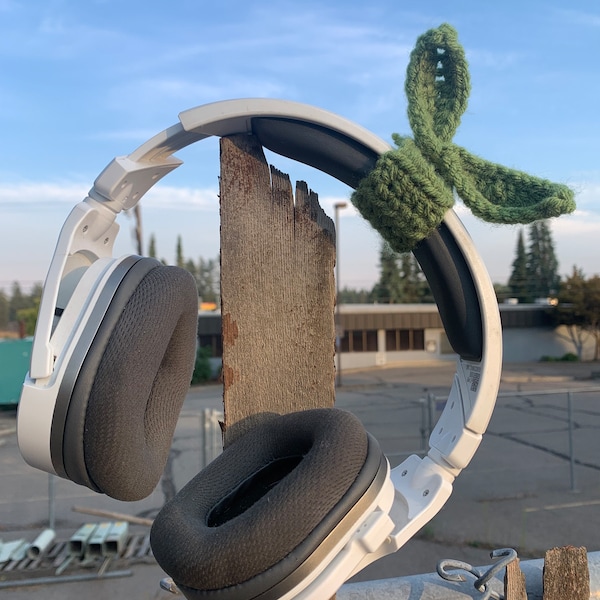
(339, 333)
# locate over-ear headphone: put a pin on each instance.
(301, 502)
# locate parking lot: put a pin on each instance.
(532, 485)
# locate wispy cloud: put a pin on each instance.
(182, 198)
(22, 196)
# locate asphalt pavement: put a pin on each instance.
(533, 484)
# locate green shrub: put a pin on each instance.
(568, 357)
(202, 369)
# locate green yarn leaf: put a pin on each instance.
(411, 187)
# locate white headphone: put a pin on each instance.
(98, 410)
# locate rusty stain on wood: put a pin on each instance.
(277, 287)
(229, 330)
(228, 375)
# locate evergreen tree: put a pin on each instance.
(415, 288)
(208, 279)
(191, 267)
(3, 310)
(179, 260)
(518, 281)
(388, 290)
(542, 265)
(152, 247)
(350, 296)
(17, 302)
(503, 292)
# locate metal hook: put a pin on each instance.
(446, 568)
(444, 565)
(509, 555)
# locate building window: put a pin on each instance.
(404, 339)
(359, 340)
(214, 342)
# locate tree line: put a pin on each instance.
(534, 275)
(401, 281)
(19, 310)
(206, 272)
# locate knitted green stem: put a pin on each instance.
(411, 187)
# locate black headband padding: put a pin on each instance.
(137, 371)
(453, 288)
(261, 545)
(441, 259)
(322, 148)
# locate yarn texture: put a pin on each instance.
(412, 186)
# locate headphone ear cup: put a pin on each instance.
(257, 514)
(129, 390)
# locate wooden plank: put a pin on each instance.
(277, 291)
(566, 574)
(514, 582)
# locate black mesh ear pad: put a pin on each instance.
(130, 388)
(259, 511)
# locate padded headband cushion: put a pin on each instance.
(137, 373)
(262, 507)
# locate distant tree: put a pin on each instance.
(20, 307)
(579, 309)
(503, 292)
(152, 246)
(350, 296)
(205, 272)
(28, 316)
(518, 282)
(542, 264)
(571, 294)
(17, 302)
(388, 290)
(414, 286)
(4, 308)
(191, 267)
(208, 279)
(179, 260)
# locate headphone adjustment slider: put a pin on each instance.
(124, 181)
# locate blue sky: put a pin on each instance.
(84, 81)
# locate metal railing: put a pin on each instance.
(431, 586)
(212, 440)
(435, 404)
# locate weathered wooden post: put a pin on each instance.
(277, 291)
(566, 574)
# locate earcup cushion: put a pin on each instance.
(131, 386)
(262, 507)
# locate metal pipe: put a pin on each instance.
(64, 579)
(432, 587)
(41, 543)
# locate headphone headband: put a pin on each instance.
(458, 279)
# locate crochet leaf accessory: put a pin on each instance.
(412, 186)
